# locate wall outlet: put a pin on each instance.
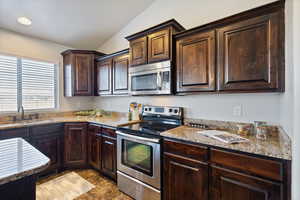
(237, 111)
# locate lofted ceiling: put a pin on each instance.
(82, 24)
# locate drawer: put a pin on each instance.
(14, 133)
(47, 129)
(94, 128)
(249, 164)
(109, 132)
(187, 150)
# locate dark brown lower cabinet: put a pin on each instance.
(231, 185)
(108, 156)
(189, 173)
(94, 146)
(185, 178)
(51, 146)
(75, 148)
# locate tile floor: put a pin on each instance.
(105, 189)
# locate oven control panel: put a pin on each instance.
(162, 110)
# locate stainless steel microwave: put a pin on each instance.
(150, 79)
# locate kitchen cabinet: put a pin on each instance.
(104, 68)
(51, 146)
(138, 51)
(240, 53)
(196, 62)
(184, 178)
(112, 74)
(79, 72)
(109, 156)
(120, 74)
(15, 132)
(75, 145)
(185, 162)
(159, 46)
(94, 146)
(231, 185)
(250, 54)
(153, 44)
(219, 174)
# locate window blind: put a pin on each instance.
(38, 85)
(28, 83)
(8, 83)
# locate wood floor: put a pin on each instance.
(105, 189)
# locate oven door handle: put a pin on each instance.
(138, 137)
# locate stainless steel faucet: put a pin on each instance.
(21, 108)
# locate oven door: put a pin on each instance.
(139, 158)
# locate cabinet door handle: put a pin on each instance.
(107, 142)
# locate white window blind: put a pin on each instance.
(38, 85)
(28, 83)
(8, 83)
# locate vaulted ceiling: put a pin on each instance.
(82, 24)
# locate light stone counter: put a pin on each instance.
(18, 159)
(273, 147)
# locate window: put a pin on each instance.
(27, 83)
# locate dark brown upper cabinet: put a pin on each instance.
(249, 54)
(138, 51)
(112, 74)
(240, 53)
(104, 77)
(78, 72)
(196, 62)
(120, 74)
(153, 44)
(159, 46)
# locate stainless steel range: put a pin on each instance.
(139, 152)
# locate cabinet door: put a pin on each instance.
(75, 144)
(250, 54)
(104, 77)
(84, 70)
(108, 155)
(138, 51)
(159, 46)
(120, 74)
(230, 185)
(94, 148)
(196, 63)
(184, 178)
(51, 147)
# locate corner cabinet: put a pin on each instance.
(112, 74)
(154, 44)
(75, 152)
(250, 54)
(79, 72)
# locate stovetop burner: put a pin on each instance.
(155, 120)
(149, 127)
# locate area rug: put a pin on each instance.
(66, 187)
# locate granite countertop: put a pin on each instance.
(18, 159)
(273, 147)
(114, 121)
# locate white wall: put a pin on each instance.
(20, 45)
(189, 13)
(193, 13)
(296, 139)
